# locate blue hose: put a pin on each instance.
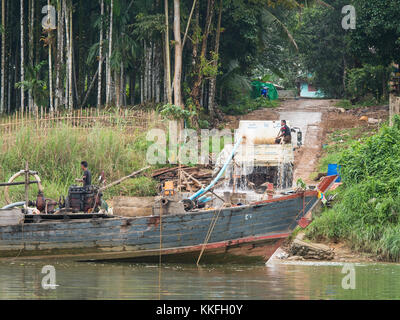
(218, 177)
(13, 205)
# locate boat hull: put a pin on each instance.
(246, 233)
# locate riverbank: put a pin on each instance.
(328, 131)
(116, 147)
(320, 251)
(362, 223)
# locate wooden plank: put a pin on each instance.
(11, 217)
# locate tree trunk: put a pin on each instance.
(178, 55)
(31, 45)
(66, 17)
(167, 55)
(100, 57)
(3, 56)
(196, 94)
(110, 40)
(118, 75)
(70, 95)
(22, 24)
(50, 65)
(195, 43)
(213, 81)
(59, 98)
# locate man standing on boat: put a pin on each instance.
(87, 175)
(285, 134)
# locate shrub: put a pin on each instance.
(57, 153)
(367, 213)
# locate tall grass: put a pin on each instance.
(56, 154)
(367, 213)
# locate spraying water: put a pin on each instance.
(262, 163)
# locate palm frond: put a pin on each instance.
(271, 18)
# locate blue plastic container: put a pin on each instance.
(334, 169)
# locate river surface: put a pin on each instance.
(23, 280)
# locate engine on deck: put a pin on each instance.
(83, 199)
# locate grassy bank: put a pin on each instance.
(56, 154)
(369, 102)
(366, 214)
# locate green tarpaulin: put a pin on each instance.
(258, 86)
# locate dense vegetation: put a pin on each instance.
(193, 54)
(355, 63)
(198, 55)
(367, 212)
(56, 155)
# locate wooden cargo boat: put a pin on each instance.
(241, 233)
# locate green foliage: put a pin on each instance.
(366, 101)
(324, 47)
(376, 38)
(339, 141)
(351, 63)
(301, 184)
(208, 68)
(368, 209)
(368, 80)
(173, 112)
(35, 84)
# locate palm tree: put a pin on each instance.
(100, 54)
(33, 84)
(22, 25)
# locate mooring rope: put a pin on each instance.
(209, 233)
(23, 238)
(303, 210)
(160, 259)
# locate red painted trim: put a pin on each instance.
(327, 182)
(285, 198)
(224, 244)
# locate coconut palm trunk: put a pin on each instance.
(167, 55)
(3, 56)
(178, 54)
(99, 87)
(22, 25)
(110, 43)
(213, 81)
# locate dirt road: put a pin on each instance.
(308, 115)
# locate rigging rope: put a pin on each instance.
(210, 231)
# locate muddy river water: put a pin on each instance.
(24, 280)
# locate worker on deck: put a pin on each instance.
(285, 135)
(87, 175)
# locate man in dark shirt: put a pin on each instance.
(284, 134)
(87, 175)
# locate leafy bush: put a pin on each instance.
(56, 155)
(368, 81)
(174, 112)
(367, 213)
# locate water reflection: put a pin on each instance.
(22, 280)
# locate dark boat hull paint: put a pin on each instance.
(247, 232)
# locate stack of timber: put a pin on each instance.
(186, 179)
